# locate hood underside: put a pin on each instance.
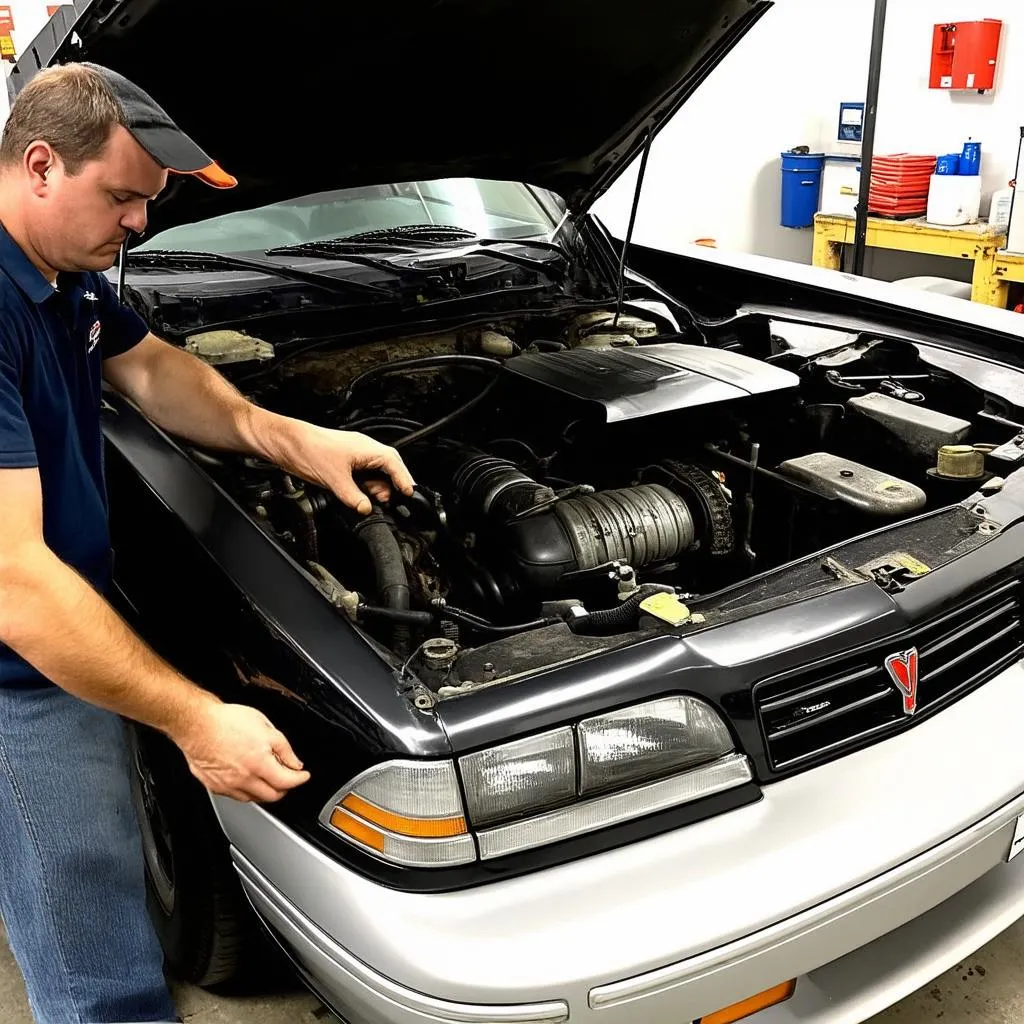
(318, 96)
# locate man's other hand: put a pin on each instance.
(235, 751)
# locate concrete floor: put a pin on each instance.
(987, 989)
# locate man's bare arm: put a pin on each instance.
(184, 396)
(60, 625)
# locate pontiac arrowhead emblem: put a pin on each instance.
(902, 669)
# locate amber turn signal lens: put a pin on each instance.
(359, 831)
(421, 828)
(746, 1007)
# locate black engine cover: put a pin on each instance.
(631, 383)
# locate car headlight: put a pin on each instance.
(647, 741)
(521, 777)
(540, 789)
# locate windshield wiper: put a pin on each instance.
(422, 234)
(354, 253)
(353, 248)
(188, 260)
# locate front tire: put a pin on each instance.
(209, 933)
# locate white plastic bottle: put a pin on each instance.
(999, 211)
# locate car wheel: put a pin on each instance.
(209, 933)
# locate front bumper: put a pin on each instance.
(864, 878)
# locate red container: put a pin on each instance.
(899, 184)
(964, 54)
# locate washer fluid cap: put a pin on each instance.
(961, 462)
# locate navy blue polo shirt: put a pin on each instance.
(52, 345)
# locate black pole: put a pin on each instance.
(868, 137)
(1013, 191)
(120, 271)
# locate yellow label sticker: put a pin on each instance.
(666, 607)
(912, 564)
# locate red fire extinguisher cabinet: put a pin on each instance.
(964, 54)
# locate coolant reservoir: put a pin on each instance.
(861, 487)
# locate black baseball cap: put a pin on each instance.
(158, 135)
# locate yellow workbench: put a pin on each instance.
(977, 242)
(1006, 267)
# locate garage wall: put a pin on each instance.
(29, 18)
(714, 169)
(914, 118)
(782, 86)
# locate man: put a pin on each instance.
(82, 154)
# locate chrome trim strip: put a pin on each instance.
(602, 812)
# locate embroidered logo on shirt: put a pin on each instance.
(91, 296)
(94, 335)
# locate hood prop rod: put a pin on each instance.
(120, 270)
(629, 230)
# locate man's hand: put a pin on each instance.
(332, 457)
(184, 396)
(235, 751)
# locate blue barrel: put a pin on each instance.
(801, 188)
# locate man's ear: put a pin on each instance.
(39, 163)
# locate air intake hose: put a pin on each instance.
(540, 537)
(376, 532)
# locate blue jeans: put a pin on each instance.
(72, 884)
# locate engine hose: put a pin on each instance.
(433, 428)
(392, 581)
(622, 616)
(405, 616)
(381, 421)
(446, 611)
(417, 363)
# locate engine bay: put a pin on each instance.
(583, 479)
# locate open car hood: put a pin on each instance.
(316, 96)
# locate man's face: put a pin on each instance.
(78, 222)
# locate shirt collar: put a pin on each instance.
(21, 270)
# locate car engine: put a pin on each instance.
(595, 473)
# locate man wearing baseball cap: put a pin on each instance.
(82, 153)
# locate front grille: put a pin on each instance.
(821, 712)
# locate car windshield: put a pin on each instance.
(495, 209)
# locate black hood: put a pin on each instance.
(313, 96)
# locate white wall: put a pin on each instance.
(29, 17)
(914, 118)
(714, 169)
